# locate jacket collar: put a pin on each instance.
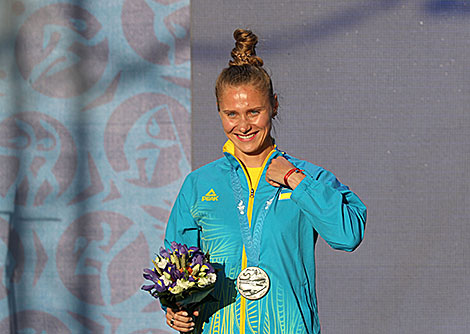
(229, 152)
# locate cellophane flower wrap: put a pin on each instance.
(182, 277)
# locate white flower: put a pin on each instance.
(212, 277)
(165, 280)
(196, 269)
(175, 260)
(176, 289)
(162, 262)
(202, 282)
(183, 284)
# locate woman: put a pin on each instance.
(258, 212)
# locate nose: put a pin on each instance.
(244, 124)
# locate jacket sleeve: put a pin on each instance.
(182, 226)
(334, 211)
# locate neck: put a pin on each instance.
(255, 160)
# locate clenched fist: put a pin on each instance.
(278, 169)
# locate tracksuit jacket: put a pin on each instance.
(205, 214)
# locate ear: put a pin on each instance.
(275, 107)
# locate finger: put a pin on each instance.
(281, 161)
(177, 319)
(182, 324)
(169, 315)
(273, 183)
(170, 312)
(184, 320)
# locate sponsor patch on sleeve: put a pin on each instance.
(285, 195)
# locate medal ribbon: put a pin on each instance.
(251, 241)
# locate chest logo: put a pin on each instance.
(210, 196)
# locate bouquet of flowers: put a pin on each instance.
(182, 277)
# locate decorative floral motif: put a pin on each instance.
(241, 208)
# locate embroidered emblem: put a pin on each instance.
(268, 203)
(210, 196)
(241, 208)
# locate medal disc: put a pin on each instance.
(253, 283)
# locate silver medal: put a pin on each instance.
(253, 283)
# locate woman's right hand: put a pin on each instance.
(180, 320)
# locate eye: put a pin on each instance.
(231, 114)
(254, 112)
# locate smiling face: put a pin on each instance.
(246, 115)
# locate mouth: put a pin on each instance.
(246, 137)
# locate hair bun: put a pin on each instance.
(244, 51)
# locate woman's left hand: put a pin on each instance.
(276, 171)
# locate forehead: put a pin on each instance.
(244, 92)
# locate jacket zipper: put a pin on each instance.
(244, 258)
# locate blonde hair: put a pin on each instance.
(246, 67)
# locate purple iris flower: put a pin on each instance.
(179, 249)
(183, 249)
(150, 275)
(170, 268)
(176, 274)
(211, 269)
(195, 251)
(174, 246)
(160, 286)
(164, 253)
(197, 259)
(159, 283)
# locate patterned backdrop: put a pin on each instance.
(94, 143)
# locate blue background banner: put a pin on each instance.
(94, 144)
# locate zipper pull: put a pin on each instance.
(252, 193)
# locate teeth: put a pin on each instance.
(246, 136)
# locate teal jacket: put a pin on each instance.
(205, 214)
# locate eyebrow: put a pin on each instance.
(251, 109)
(227, 111)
